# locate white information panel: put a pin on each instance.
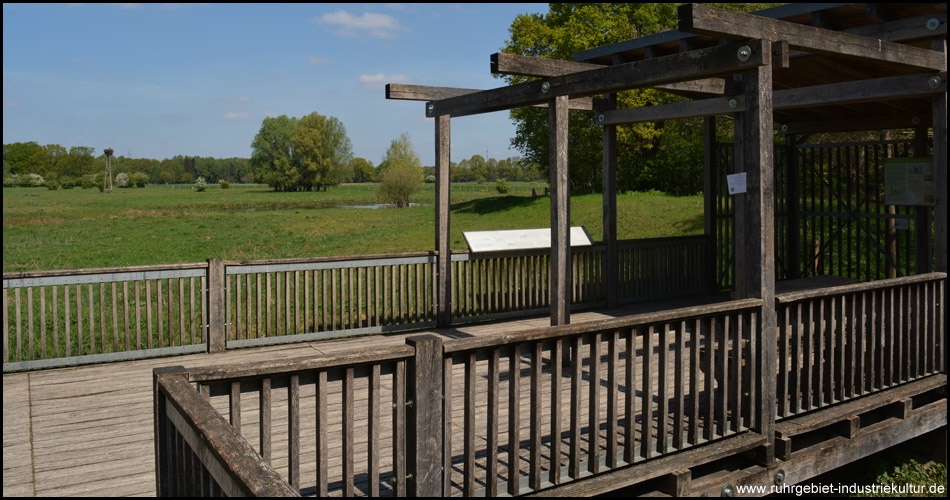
(909, 181)
(520, 239)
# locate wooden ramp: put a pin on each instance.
(87, 431)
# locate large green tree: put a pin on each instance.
(643, 148)
(272, 153)
(301, 154)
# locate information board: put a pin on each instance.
(520, 239)
(909, 181)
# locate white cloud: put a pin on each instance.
(235, 99)
(379, 80)
(316, 61)
(377, 25)
(9, 103)
(236, 116)
(127, 6)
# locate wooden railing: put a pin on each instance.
(502, 284)
(196, 451)
(408, 420)
(843, 342)
(82, 316)
(94, 315)
(562, 403)
(307, 299)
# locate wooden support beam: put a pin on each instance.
(424, 417)
(513, 64)
(850, 426)
(793, 237)
(701, 19)
(403, 92)
(855, 124)
(922, 221)
(876, 89)
(902, 409)
(755, 240)
(560, 261)
(783, 448)
(710, 198)
(714, 61)
(443, 240)
(939, 114)
(611, 262)
(677, 483)
(675, 111)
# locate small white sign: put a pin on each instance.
(901, 224)
(736, 183)
(520, 239)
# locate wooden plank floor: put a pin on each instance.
(87, 431)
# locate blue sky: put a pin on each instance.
(158, 80)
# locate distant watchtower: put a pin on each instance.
(107, 181)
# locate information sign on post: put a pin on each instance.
(909, 181)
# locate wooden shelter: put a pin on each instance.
(786, 378)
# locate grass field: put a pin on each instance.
(78, 228)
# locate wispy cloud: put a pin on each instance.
(9, 103)
(235, 116)
(379, 80)
(377, 25)
(317, 61)
(127, 6)
(230, 99)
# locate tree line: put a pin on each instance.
(81, 165)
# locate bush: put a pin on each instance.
(11, 181)
(224, 184)
(31, 180)
(502, 186)
(187, 178)
(51, 184)
(138, 179)
(399, 183)
(122, 180)
(200, 184)
(88, 181)
(430, 179)
(68, 182)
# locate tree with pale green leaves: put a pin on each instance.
(403, 174)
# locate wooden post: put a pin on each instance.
(424, 418)
(793, 228)
(611, 262)
(922, 214)
(560, 266)
(939, 110)
(710, 198)
(216, 306)
(442, 235)
(755, 273)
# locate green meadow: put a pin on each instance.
(80, 228)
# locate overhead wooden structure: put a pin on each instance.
(793, 69)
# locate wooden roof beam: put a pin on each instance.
(697, 64)
(403, 92)
(856, 124)
(512, 64)
(701, 19)
(878, 89)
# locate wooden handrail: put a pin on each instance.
(786, 298)
(225, 456)
(459, 345)
(299, 364)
